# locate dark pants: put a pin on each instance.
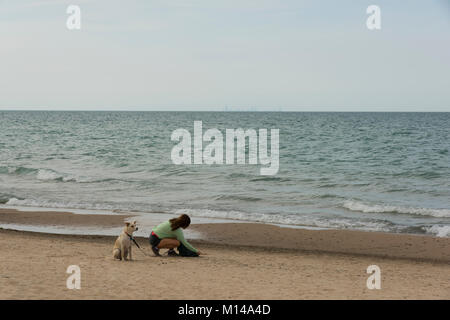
(185, 252)
(154, 240)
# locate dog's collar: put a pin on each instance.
(132, 239)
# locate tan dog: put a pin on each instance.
(122, 246)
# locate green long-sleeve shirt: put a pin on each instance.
(164, 230)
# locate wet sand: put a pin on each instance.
(374, 244)
(53, 218)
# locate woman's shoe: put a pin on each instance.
(156, 251)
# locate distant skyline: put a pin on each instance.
(247, 55)
(217, 109)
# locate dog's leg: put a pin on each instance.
(131, 257)
(124, 253)
(117, 254)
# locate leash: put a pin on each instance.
(137, 245)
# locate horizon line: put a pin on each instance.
(224, 111)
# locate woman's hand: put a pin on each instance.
(200, 253)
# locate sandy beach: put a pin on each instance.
(243, 261)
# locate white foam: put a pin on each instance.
(439, 230)
(362, 207)
(63, 229)
(45, 175)
(59, 205)
(53, 209)
(308, 222)
(49, 175)
(150, 219)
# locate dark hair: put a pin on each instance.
(182, 221)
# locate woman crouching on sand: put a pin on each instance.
(169, 235)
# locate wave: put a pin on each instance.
(328, 185)
(418, 174)
(439, 230)
(49, 175)
(58, 205)
(270, 178)
(6, 197)
(237, 197)
(326, 196)
(17, 170)
(295, 220)
(79, 205)
(362, 207)
(40, 174)
(319, 222)
(235, 175)
(285, 219)
(53, 175)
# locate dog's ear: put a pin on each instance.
(134, 222)
(127, 224)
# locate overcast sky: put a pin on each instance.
(315, 55)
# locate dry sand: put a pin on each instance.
(243, 261)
